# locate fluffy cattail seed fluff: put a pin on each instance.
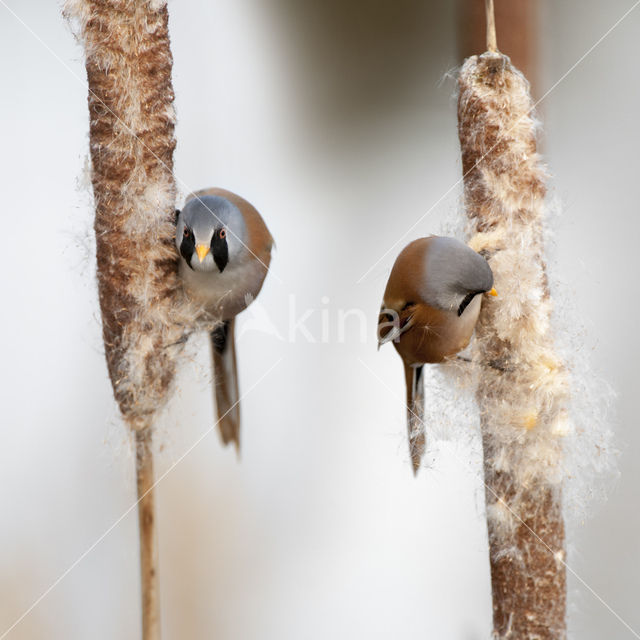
(523, 386)
(132, 119)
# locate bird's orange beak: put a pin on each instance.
(202, 251)
(493, 292)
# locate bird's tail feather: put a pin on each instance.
(225, 382)
(415, 414)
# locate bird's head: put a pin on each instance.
(210, 233)
(454, 275)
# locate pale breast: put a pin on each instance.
(224, 295)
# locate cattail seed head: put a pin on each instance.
(523, 389)
(145, 316)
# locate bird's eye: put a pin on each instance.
(186, 232)
(222, 234)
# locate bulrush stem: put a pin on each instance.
(148, 538)
(492, 42)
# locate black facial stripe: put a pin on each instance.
(187, 247)
(467, 299)
(220, 250)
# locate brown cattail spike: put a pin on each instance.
(144, 316)
(131, 137)
(523, 388)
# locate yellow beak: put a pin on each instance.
(202, 251)
(493, 292)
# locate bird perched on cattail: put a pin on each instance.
(225, 250)
(430, 308)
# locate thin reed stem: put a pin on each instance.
(148, 538)
(492, 43)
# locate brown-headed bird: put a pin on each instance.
(429, 311)
(225, 248)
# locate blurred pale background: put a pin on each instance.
(335, 120)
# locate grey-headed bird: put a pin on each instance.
(225, 248)
(429, 311)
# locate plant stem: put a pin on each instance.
(492, 43)
(148, 539)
